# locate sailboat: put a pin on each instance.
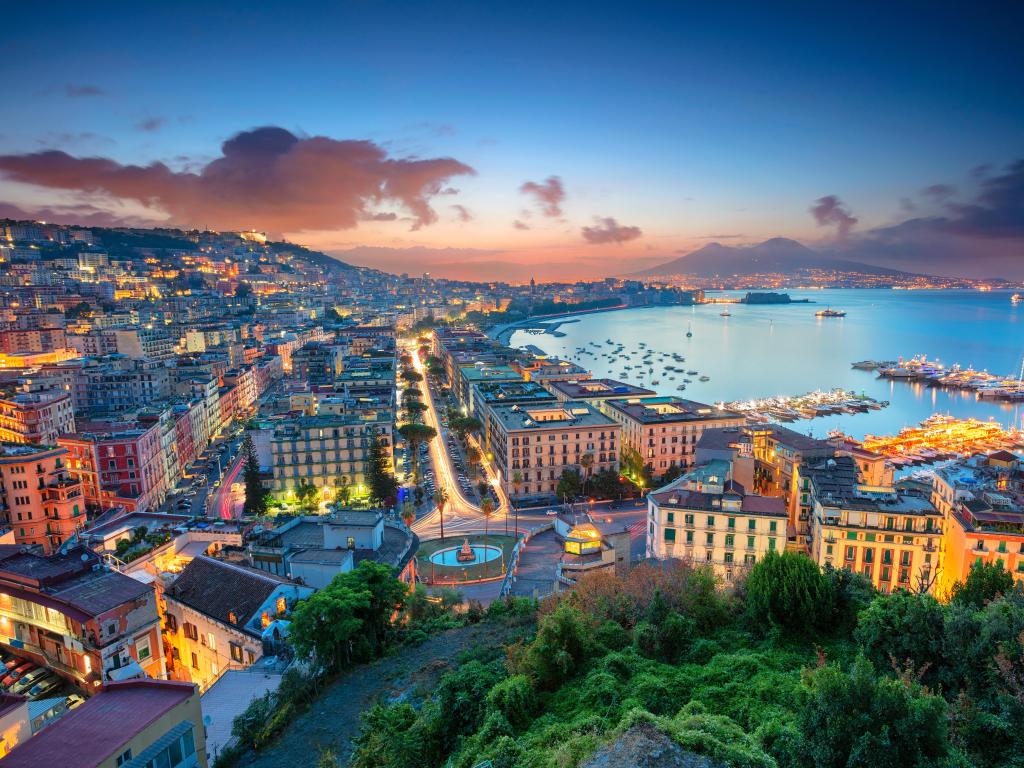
(689, 330)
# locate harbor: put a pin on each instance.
(940, 438)
(920, 369)
(807, 406)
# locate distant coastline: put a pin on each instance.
(502, 333)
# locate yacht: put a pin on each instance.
(829, 313)
(727, 313)
(689, 331)
(1016, 298)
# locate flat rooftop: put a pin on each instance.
(599, 388)
(664, 410)
(550, 416)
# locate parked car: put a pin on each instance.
(29, 679)
(45, 686)
(15, 674)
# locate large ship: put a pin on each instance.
(829, 313)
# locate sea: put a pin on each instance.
(783, 349)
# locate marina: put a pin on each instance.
(920, 369)
(807, 406)
(939, 438)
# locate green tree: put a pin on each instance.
(307, 495)
(569, 484)
(463, 425)
(586, 462)
(985, 582)
(561, 646)
(325, 625)
(441, 499)
(903, 629)
(416, 435)
(386, 596)
(409, 375)
(255, 493)
(789, 592)
(860, 720)
(382, 482)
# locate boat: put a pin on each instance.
(829, 313)
(727, 313)
(689, 330)
(681, 387)
(691, 373)
(1016, 298)
(704, 378)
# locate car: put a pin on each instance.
(26, 681)
(184, 504)
(551, 513)
(13, 675)
(46, 686)
(74, 700)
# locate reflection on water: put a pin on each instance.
(785, 350)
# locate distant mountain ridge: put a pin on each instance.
(779, 255)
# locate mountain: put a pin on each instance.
(778, 255)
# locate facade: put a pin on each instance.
(38, 418)
(533, 445)
(216, 614)
(327, 451)
(86, 623)
(41, 501)
(129, 724)
(594, 546)
(707, 517)
(665, 430)
(890, 536)
(491, 393)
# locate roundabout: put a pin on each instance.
(466, 559)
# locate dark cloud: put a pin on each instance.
(66, 139)
(608, 230)
(151, 124)
(82, 213)
(907, 205)
(549, 195)
(939, 192)
(829, 211)
(462, 212)
(997, 211)
(517, 224)
(78, 90)
(267, 177)
(389, 216)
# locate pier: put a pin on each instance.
(807, 406)
(919, 368)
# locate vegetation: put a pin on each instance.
(255, 493)
(379, 477)
(797, 667)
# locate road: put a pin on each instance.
(461, 514)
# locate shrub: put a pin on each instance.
(789, 592)
(515, 698)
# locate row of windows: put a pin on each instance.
(711, 521)
(710, 540)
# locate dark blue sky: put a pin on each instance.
(684, 122)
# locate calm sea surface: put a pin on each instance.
(785, 350)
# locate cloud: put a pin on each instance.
(388, 216)
(907, 205)
(66, 138)
(517, 224)
(939, 192)
(996, 212)
(829, 210)
(549, 195)
(79, 90)
(462, 212)
(151, 124)
(608, 230)
(266, 176)
(82, 213)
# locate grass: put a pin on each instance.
(462, 573)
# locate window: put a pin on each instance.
(191, 631)
(688, 519)
(195, 661)
(731, 523)
(711, 521)
(771, 545)
(689, 537)
(750, 542)
(730, 540)
(671, 517)
(710, 539)
(751, 525)
(142, 648)
(124, 757)
(236, 652)
(670, 534)
(773, 527)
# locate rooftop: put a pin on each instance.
(553, 416)
(598, 388)
(93, 733)
(658, 410)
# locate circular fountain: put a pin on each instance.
(467, 554)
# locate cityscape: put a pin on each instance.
(377, 440)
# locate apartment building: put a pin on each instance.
(41, 501)
(890, 536)
(982, 516)
(597, 391)
(328, 451)
(69, 613)
(665, 430)
(36, 418)
(128, 724)
(470, 376)
(486, 394)
(33, 340)
(705, 516)
(318, 362)
(532, 445)
(215, 616)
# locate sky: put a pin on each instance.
(488, 140)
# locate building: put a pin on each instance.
(533, 445)
(36, 417)
(707, 517)
(664, 430)
(33, 340)
(15, 722)
(69, 613)
(468, 376)
(313, 550)
(128, 724)
(328, 451)
(216, 617)
(41, 501)
(318, 362)
(982, 517)
(889, 536)
(594, 546)
(491, 393)
(597, 391)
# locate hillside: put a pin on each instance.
(778, 255)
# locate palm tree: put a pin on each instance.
(517, 482)
(586, 462)
(440, 499)
(487, 508)
(408, 514)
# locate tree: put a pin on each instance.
(902, 629)
(860, 720)
(409, 375)
(255, 493)
(416, 435)
(486, 509)
(562, 644)
(473, 458)
(306, 495)
(672, 473)
(985, 582)
(441, 499)
(634, 468)
(788, 591)
(463, 425)
(569, 484)
(414, 410)
(383, 486)
(408, 513)
(324, 625)
(586, 462)
(517, 480)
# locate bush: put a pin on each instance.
(903, 628)
(515, 698)
(789, 592)
(984, 583)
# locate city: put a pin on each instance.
(388, 451)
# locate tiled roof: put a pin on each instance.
(94, 732)
(218, 589)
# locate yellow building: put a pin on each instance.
(889, 536)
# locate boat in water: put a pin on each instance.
(1016, 298)
(727, 313)
(829, 313)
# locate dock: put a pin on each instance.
(807, 406)
(920, 369)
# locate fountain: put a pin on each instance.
(466, 553)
